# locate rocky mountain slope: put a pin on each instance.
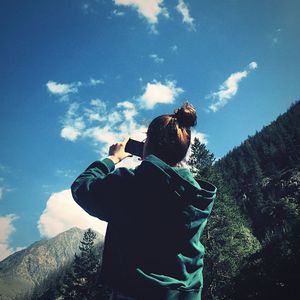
(28, 269)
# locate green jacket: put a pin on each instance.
(156, 215)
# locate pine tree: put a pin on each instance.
(82, 281)
(228, 239)
(200, 160)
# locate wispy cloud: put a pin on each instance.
(275, 37)
(89, 7)
(183, 9)
(94, 81)
(7, 229)
(150, 10)
(96, 112)
(73, 123)
(156, 58)
(158, 92)
(62, 213)
(62, 88)
(3, 186)
(229, 88)
(65, 173)
(104, 124)
(101, 124)
(174, 48)
(118, 13)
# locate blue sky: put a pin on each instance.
(76, 76)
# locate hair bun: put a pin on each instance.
(186, 115)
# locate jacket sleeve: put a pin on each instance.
(100, 191)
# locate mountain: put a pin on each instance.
(263, 174)
(29, 269)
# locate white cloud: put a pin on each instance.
(102, 125)
(229, 88)
(102, 134)
(105, 125)
(148, 9)
(183, 9)
(202, 137)
(159, 93)
(126, 104)
(6, 231)
(97, 112)
(98, 103)
(252, 65)
(6, 227)
(118, 13)
(62, 88)
(70, 133)
(65, 89)
(93, 116)
(3, 188)
(114, 118)
(118, 124)
(156, 58)
(62, 213)
(129, 110)
(94, 81)
(73, 124)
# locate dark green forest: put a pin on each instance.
(252, 238)
(263, 176)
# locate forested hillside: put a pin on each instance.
(263, 175)
(263, 172)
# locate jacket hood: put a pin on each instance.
(198, 193)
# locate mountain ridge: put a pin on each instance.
(27, 269)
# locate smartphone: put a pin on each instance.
(135, 147)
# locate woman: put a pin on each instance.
(156, 214)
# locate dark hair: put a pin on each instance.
(169, 136)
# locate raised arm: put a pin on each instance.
(99, 190)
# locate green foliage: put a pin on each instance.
(82, 281)
(200, 160)
(228, 239)
(266, 155)
(264, 177)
